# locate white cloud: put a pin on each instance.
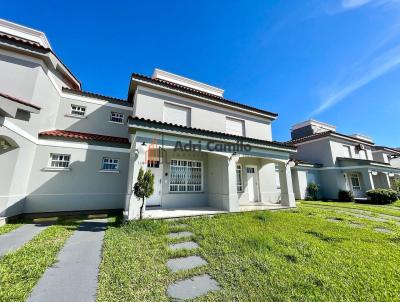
(373, 70)
(353, 4)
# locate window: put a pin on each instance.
(78, 110)
(250, 170)
(239, 180)
(310, 178)
(117, 117)
(346, 151)
(59, 160)
(234, 126)
(277, 177)
(176, 114)
(110, 164)
(355, 182)
(186, 176)
(362, 154)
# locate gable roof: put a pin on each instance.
(210, 134)
(329, 134)
(35, 45)
(84, 136)
(195, 92)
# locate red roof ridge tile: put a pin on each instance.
(85, 136)
(14, 99)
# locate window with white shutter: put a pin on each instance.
(234, 126)
(175, 114)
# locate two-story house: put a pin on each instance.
(204, 150)
(337, 161)
(66, 150)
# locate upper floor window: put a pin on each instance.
(78, 110)
(117, 117)
(177, 115)
(346, 151)
(59, 160)
(362, 154)
(234, 126)
(239, 178)
(386, 158)
(110, 164)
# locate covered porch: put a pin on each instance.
(208, 178)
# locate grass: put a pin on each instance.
(9, 227)
(295, 255)
(391, 209)
(21, 270)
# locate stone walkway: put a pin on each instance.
(15, 239)
(192, 287)
(74, 276)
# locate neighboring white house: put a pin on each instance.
(337, 161)
(66, 150)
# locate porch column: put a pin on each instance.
(233, 199)
(132, 206)
(386, 180)
(368, 180)
(285, 177)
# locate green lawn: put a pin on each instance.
(9, 227)
(22, 269)
(295, 255)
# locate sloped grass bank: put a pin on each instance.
(295, 255)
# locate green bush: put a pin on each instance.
(381, 196)
(312, 191)
(396, 185)
(346, 196)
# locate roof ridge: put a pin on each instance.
(85, 136)
(13, 98)
(93, 94)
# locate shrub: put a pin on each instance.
(345, 195)
(312, 191)
(396, 185)
(382, 196)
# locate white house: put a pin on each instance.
(337, 161)
(66, 150)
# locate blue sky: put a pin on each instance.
(333, 60)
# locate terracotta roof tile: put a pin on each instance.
(14, 99)
(199, 93)
(98, 96)
(22, 40)
(324, 134)
(85, 136)
(212, 133)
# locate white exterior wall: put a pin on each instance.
(149, 104)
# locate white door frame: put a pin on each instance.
(256, 190)
(160, 173)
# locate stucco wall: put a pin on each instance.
(96, 120)
(84, 187)
(150, 104)
(307, 152)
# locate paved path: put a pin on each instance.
(195, 286)
(15, 239)
(74, 276)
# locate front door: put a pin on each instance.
(252, 183)
(155, 199)
(355, 185)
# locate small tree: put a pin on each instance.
(396, 185)
(144, 187)
(312, 191)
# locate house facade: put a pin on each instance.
(337, 161)
(63, 149)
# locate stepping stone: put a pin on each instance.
(333, 219)
(180, 234)
(189, 245)
(192, 288)
(355, 225)
(185, 263)
(74, 276)
(17, 238)
(383, 230)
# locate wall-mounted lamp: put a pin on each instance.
(291, 163)
(142, 148)
(374, 172)
(234, 156)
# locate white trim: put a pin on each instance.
(53, 143)
(53, 169)
(192, 96)
(82, 117)
(340, 139)
(109, 171)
